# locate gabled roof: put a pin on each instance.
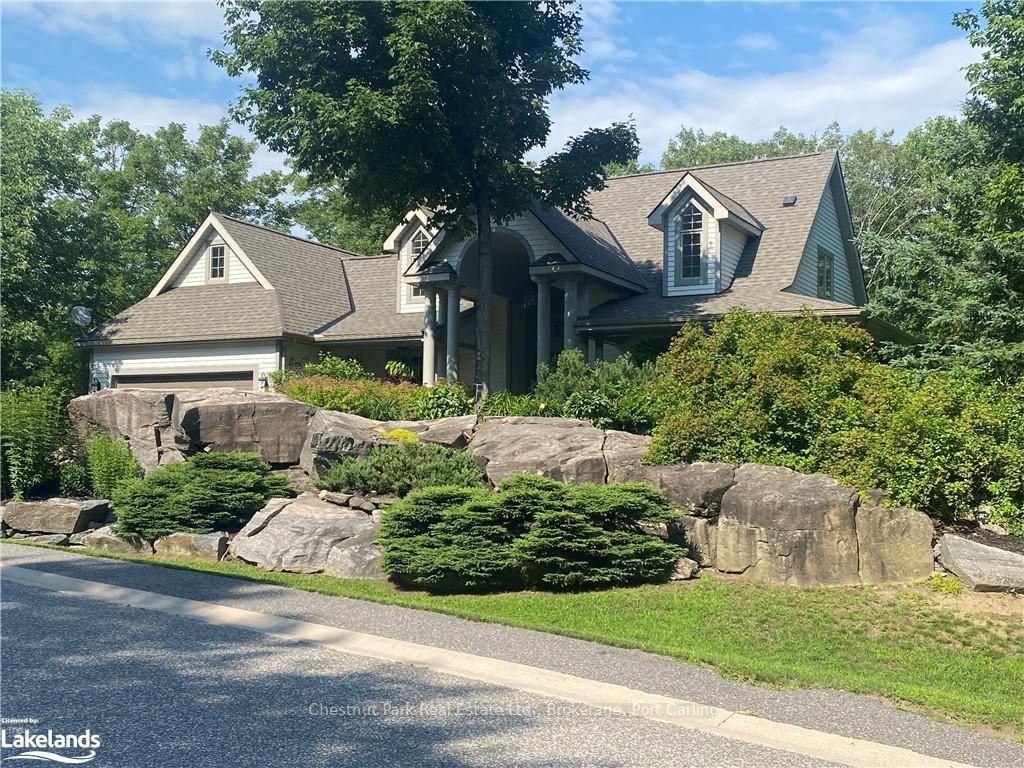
(725, 208)
(373, 302)
(769, 263)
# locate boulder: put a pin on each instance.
(697, 488)
(701, 537)
(192, 546)
(333, 435)
(224, 420)
(685, 569)
(105, 539)
(55, 515)
(624, 453)
(981, 567)
(782, 527)
(146, 419)
(59, 539)
(335, 497)
(454, 432)
(894, 544)
(357, 557)
(563, 449)
(296, 535)
(301, 482)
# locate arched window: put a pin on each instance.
(419, 243)
(688, 262)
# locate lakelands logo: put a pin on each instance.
(39, 746)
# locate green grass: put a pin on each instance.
(897, 643)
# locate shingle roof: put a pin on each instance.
(769, 263)
(195, 313)
(592, 242)
(373, 299)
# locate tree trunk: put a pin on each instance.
(485, 247)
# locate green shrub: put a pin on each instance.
(74, 479)
(445, 399)
(399, 469)
(33, 426)
(210, 491)
(534, 532)
(399, 370)
(806, 394)
(945, 584)
(110, 463)
(507, 404)
(336, 368)
(399, 435)
(384, 401)
(612, 394)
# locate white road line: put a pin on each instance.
(522, 677)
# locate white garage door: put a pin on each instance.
(233, 379)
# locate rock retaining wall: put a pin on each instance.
(759, 522)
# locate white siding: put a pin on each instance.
(825, 234)
(709, 241)
(195, 270)
(184, 358)
(733, 242)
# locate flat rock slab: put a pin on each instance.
(563, 449)
(357, 557)
(697, 488)
(296, 535)
(624, 454)
(57, 515)
(193, 546)
(981, 567)
(332, 436)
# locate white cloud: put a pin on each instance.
(122, 24)
(875, 77)
(600, 19)
(757, 41)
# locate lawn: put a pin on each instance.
(901, 643)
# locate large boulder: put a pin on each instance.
(296, 535)
(333, 435)
(701, 537)
(147, 419)
(192, 546)
(624, 454)
(357, 557)
(894, 544)
(981, 567)
(55, 515)
(454, 431)
(779, 526)
(106, 540)
(697, 488)
(563, 449)
(225, 420)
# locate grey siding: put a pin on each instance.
(825, 233)
(733, 243)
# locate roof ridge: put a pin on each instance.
(720, 165)
(286, 234)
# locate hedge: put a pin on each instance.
(398, 469)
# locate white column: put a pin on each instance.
(429, 336)
(543, 321)
(571, 289)
(452, 336)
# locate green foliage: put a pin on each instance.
(74, 479)
(93, 214)
(399, 435)
(945, 584)
(33, 426)
(507, 404)
(693, 147)
(397, 369)
(805, 394)
(110, 463)
(381, 400)
(608, 394)
(445, 399)
(534, 532)
(324, 210)
(209, 491)
(333, 367)
(399, 469)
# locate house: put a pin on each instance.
(662, 248)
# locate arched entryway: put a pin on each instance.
(513, 336)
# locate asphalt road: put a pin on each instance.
(162, 690)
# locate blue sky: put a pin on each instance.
(741, 67)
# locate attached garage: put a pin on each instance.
(244, 380)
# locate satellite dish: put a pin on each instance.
(81, 316)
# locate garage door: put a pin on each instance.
(232, 379)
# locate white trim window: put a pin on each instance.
(218, 262)
(688, 266)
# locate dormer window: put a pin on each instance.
(218, 262)
(419, 243)
(688, 262)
